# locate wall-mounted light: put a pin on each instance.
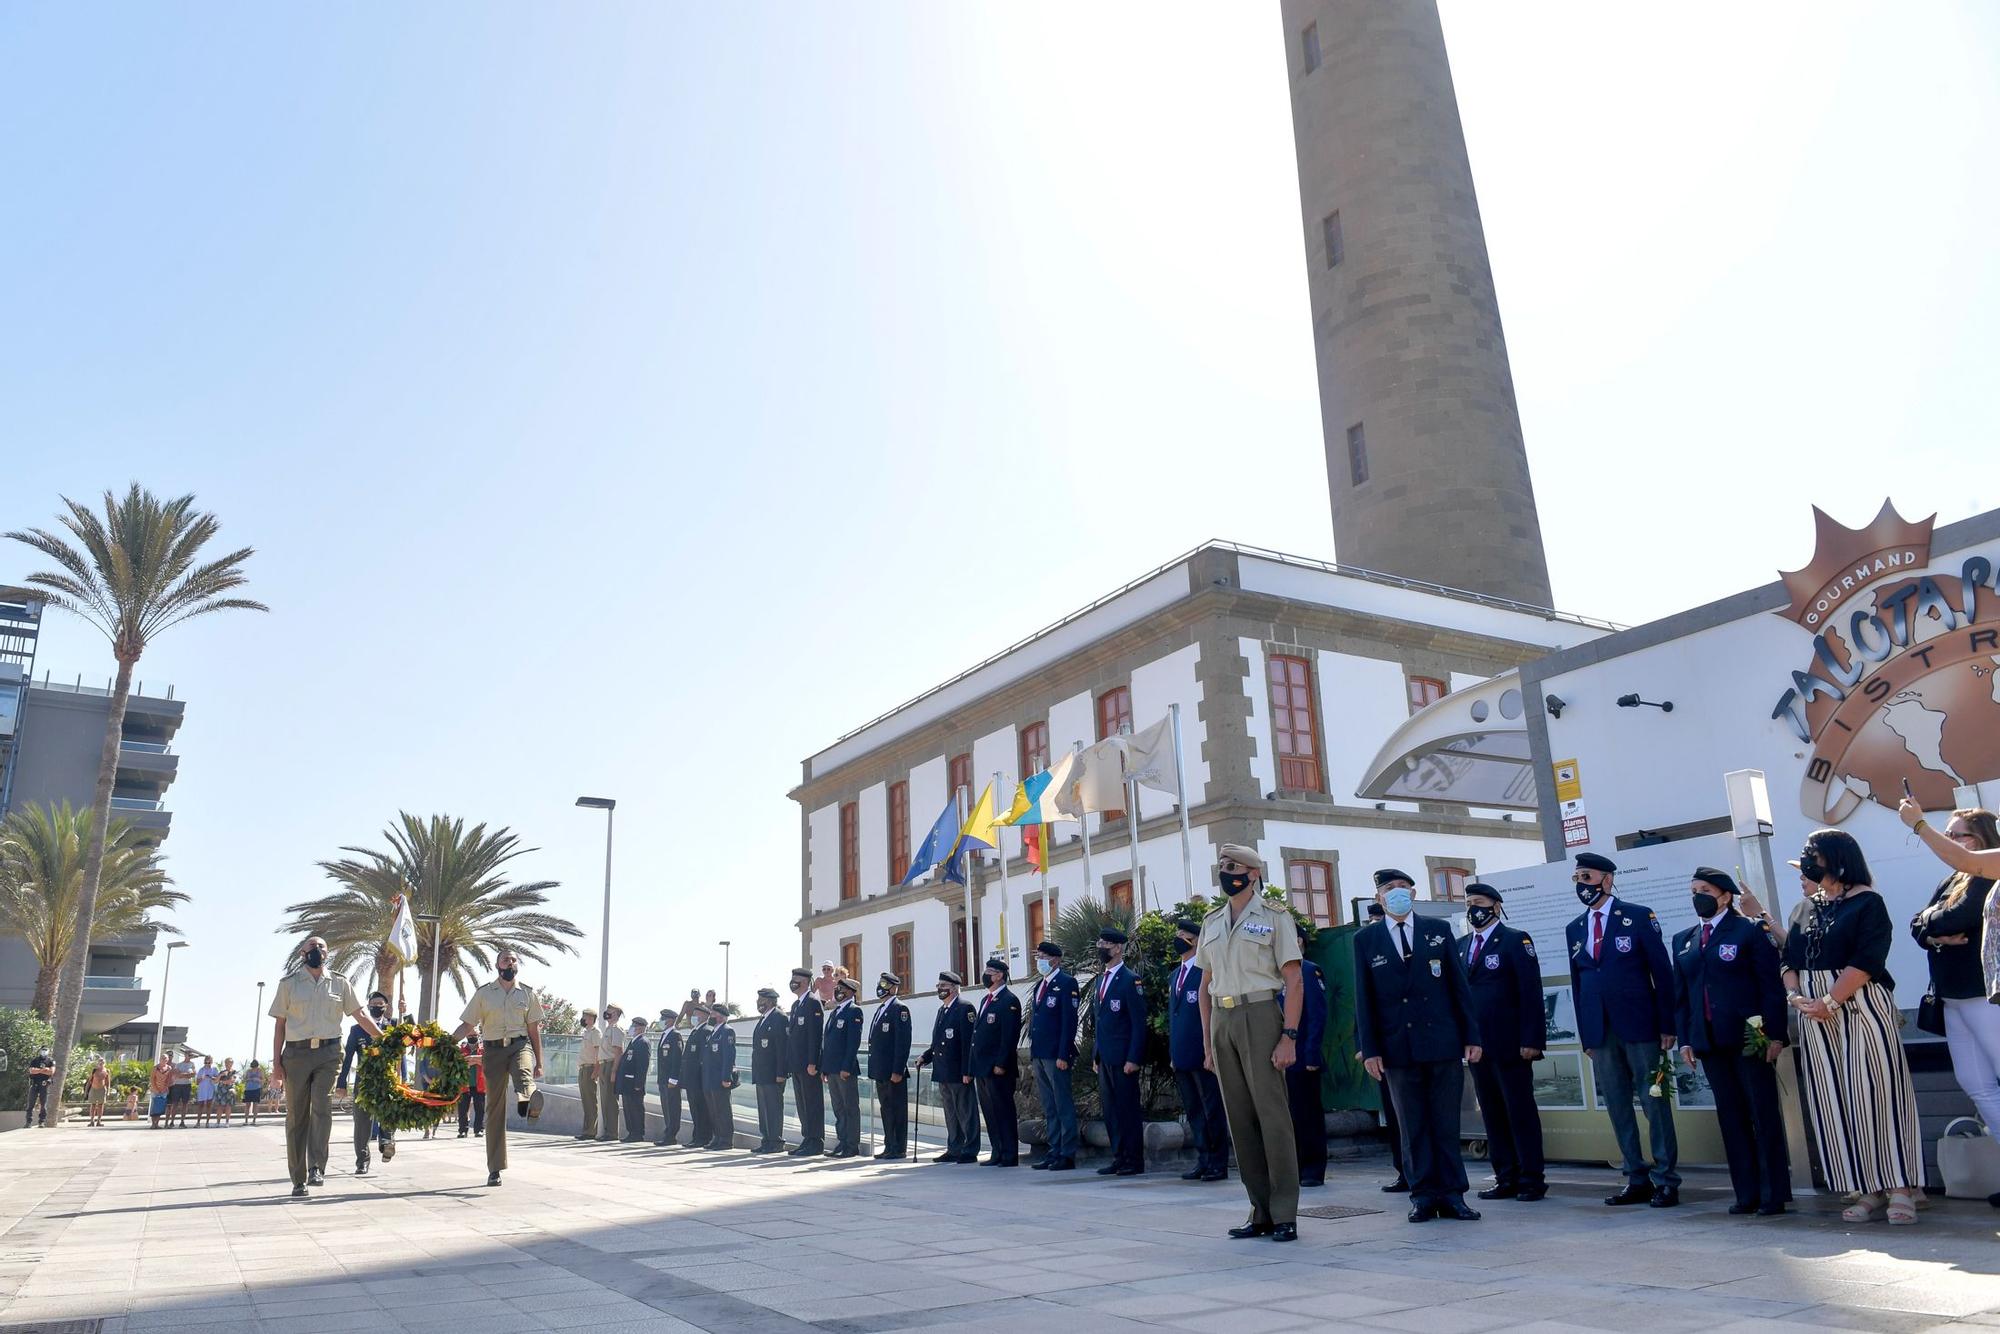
(1554, 705)
(1633, 702)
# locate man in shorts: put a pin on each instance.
(96, 1085)
(160, 1087)
(181, 1092)
(253, 1091)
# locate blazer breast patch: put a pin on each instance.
(1624, 944)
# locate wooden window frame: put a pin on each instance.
(851, 961)
(969, 959)
(1295, 772)
(1119, 698)
(1441, 877)
(899, 831)
(850, 851)
(903, 959)
(1416, 686)
(1034, 748)
(1322, 905)
(1036, 910)
(1112, 897)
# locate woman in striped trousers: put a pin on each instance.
(1861, 1107)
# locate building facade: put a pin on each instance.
(1287, 673)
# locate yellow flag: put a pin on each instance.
(979, 830)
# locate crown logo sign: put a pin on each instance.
(1847, 560)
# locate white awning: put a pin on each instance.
(1469, 748)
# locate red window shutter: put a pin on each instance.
(1294, 724)
(850, 851)
(899, 832)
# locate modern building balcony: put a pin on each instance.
(143, 813)
(111, 1001)
(150, 764)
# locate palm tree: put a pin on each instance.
(446, 869)
(134, 571)
(42, 854)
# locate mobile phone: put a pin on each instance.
(1907, 794)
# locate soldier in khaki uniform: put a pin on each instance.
(1248, 953)
(591, 1052)
(305, 1054)
(508, 1017)
(612, 1051)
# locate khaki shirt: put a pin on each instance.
(612, 1045)
(503, 1013)
(313, 1007)
(593, 1046)
(1249, 955)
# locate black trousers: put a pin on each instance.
(1392, 1127)
(1506, 1092)
(1427, 1096)
(38, 1097)
(721, 1119)
(1302, 1093)
(996, 1106)
(1753, 1131)
(809, 1099)
(1208, 1123)
(634, 1105)
(670, 1112)
(1122, 1119)
(893, 1099)
(961, 1118)
(471, 1111)
(845, 1095)
(698, 1114)
(771, 1115)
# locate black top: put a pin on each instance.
(1955, 970)
(1852, 931)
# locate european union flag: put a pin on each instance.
(938, 849)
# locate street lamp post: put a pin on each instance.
(160, 1026)
(725, 972)
(257, 1022)
(607, 805)
(437, 953)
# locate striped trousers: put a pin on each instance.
(1861, 1107)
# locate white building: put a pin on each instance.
(1288, 673)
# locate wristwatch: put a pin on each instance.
(1291, 1033)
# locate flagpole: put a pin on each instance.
(1180, 795)
(1083, 823)
(1132, 828)
(963, 796)
(1000, 851)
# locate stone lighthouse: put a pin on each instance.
(1424, 458)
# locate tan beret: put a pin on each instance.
(1239, 852)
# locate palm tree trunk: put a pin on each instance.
(69, 989)
(45, 990)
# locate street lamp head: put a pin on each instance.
(597, 803)
(177, 945)
(722, 942)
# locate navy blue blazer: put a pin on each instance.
(632, 1067)
(770, 1046)
(668, 1065)
(889, 1040)
(1311, 1046)
(718, 1067)
(950, 1052)
(840, 1051)
(1052, 1025)
(1119, 1011)
(996, 1037)
(806, 1033)
(1414, 1012)
(1628, 993)
(1507, 993)
(1184, 1042)
(695, 1059)
(1717, 989)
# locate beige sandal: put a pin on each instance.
(1867, 1209)
(1902, 1208)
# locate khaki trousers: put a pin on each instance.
(586, 1089)
(1260, 1116)
(309, 1076)
(512, 1060)
(607, 1100)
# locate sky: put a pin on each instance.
(632, 399)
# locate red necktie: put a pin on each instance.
(1103, 985)
(1597, 935)
(1474, 960)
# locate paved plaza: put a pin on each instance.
(193, 1231)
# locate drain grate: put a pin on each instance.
(1322, 1211)
(55, 1327)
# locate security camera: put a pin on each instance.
(1553, 705)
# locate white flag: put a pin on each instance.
(1149, 757)
(1100, 783)
(402, 939)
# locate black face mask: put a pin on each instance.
(884, 991)
(1706, 906)
(314, 958)
(944, 994)
(1234, 882)
(1183, 946)
(376, 1011)
(993, 980)
(507, 975)
(1103, 954)
(1811, 867)
(1479, 917)
(1588, 895)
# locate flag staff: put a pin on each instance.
(1000, 851)
(1180, 795)
(1083, 823)
(964, 795)
(1132, 822)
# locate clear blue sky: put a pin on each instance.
(631, 400)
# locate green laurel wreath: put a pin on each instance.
(381, 1091)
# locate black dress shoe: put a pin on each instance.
(1529, 1194)
(1130, 1172)
(1063, 1165)
(1769, 1210)
(298, 1192)
(1631, 1195)
(1109, 1169)
(1422, 1213)
(971, 1159)
(1199, 1173)
(492, 1178)
(1666, 1199)
(361, 1167)
(1500, 1193)
(1215, 1174)
(1309, 1182)
(1739, 1209)
(1039, 1165)
(1397, 1187)
(945, 1158)
(1457, 1209)
(315, 1177)
(991, 1161)
(1253, 1230)
(1285, 1232)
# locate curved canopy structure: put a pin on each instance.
(1469, 748)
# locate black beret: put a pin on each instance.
(768, 993)
(1375, 910)
(1383, 877)
(1050, 948)
(1187, 924)
(848, 984)
(953, 978)
(1590, 861)
(1481, 887)
(803, 972)
(1111, 935)
(1708, 875)
(996, 966)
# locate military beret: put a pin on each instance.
(1375, 910)
(1383, 877)
(668, 1016)
(768, 993)
(891, 979)
(1708, 875)
(1482, 888)
(1050, 948)
(1241, 852)
(996, 965)
(951, 978)
(1590, 861)
(1112, 935)
(848, 984)
(1187, 924)
(803, 972)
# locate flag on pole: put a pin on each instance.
(1149, 757)
(940, 848)
(1100, 784)
(402, 941)
(980, 829)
